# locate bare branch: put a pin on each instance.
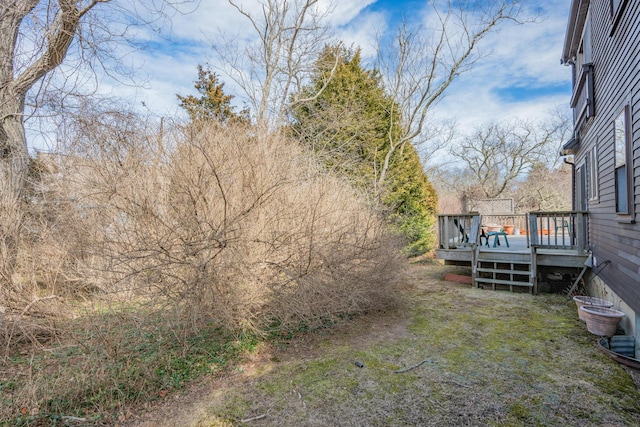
(500, 153)
(422, 63)
(290, 34)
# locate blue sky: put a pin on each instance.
(519, 78)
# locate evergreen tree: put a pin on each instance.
(350, 125)
(213, 103)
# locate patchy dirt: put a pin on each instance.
(188, 407)
(465, 357)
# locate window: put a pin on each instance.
(581, 185)
(582, 99)
(622, 169)
(585, 47)
(592, 165)
(616, 7)
(584, 53)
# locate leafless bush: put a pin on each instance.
(223, 224)
(130, 245)
(32, 259)
(243, 229)
(10, 224)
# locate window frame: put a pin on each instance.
(581, 198)
(622, 160)
(616, 9)
(593, 180)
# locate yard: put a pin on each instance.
(447, 355)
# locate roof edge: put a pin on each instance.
(571, 146)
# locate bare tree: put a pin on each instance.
(421, 63)
(290, 35)
(36, 36)
(545, 189)
(500, 153)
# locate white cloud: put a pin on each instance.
(173, 68)
(343, 11)
(519, 56)
(362, 32)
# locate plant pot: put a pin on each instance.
(509, 229)
(601, 321)
(582, 300)
(516, 231)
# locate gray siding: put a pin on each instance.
(616, 59)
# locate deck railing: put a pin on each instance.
(558, 230)
(457, 230)
(517, 221)
(553, 230)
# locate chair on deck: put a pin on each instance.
(484, 235)
(469, 236)
(563, 224)
(496, 237)
(465, 236)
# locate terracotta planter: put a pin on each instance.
(590, 301)
(601, 321)
(509, 229)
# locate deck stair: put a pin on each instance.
(501, 271)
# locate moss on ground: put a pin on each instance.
(488, 358)
(447, 355)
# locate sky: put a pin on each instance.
(519, 77)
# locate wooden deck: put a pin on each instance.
(552, 240)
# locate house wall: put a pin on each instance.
(615, 243)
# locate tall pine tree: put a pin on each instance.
(349, 126)
(213, 103)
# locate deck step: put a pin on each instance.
(505, 261)
(492, 281)
(500, 271)
(495, 270)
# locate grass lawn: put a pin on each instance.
(448, 355)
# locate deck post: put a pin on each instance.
(533, 228)
(581, 235)
(475, 254)
(444, 230)
(534, 270)
(474, 236)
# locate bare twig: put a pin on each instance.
(24, 311)
(73, 419)
(256, 418)
(402, 371)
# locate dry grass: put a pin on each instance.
(488, 358)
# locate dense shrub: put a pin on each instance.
(140, 262)
(242, 228)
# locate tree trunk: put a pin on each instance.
(14, 163)
(52, 46)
